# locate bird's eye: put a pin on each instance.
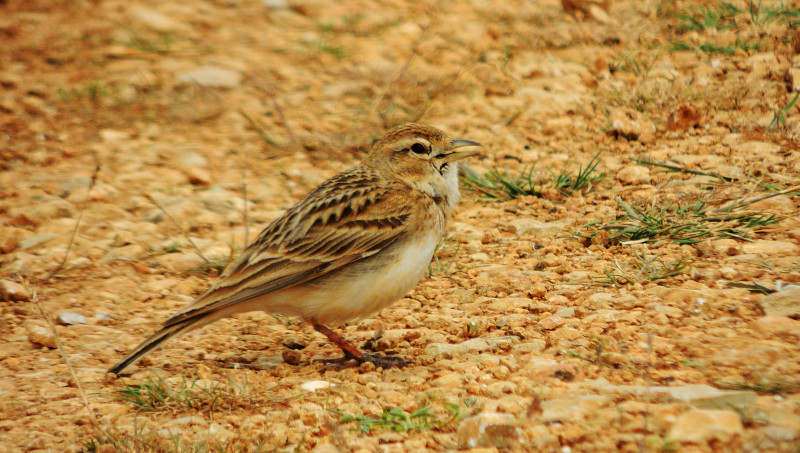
(419, 148)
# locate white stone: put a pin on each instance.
(313, 386)
(68, 319)
(212, 76)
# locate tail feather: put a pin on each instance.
(155, 341)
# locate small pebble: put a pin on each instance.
(41, 336)
(291, 357)
(293, 342)
(69, 319)
(567, 312)
(13, 291)
(103, 317)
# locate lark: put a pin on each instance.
(354, 245)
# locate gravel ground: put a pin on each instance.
(633, 288)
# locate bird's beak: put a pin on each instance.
(460, 143)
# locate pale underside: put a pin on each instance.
(351, 292)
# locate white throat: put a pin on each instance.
(442, 187)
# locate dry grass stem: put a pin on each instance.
(92, 182)
(183, 231)
(35, 299)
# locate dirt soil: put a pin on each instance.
(650, 309)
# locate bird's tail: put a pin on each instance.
(167, 332)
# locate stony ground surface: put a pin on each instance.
(595, 318)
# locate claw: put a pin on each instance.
(386, 361)
(378, 360)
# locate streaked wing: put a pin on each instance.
(351, 216)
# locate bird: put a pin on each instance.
(355, 244)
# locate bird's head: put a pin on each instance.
(422, 156)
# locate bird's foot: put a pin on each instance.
(352, 356)
(385, 361)
(380, 361)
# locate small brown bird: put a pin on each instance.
(355, 244)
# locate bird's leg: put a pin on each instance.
(352, 353)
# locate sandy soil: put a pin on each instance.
(629, 314)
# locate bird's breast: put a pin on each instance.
(377, 281)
